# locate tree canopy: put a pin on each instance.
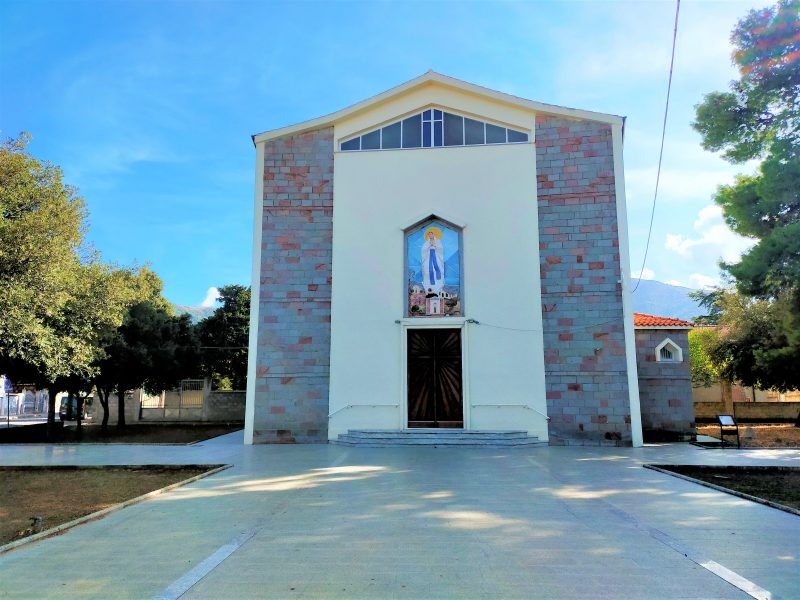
(41, 246)
(759, 118)
(224, 337)
(60, 305)
(702, 342)
(760, 112)
(151, 349)
(755, 346)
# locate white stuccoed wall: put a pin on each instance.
(491, 192)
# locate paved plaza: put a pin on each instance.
(324, 521)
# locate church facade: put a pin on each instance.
(442, 255)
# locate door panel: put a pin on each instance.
(434, 378)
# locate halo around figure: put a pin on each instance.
(434, 230)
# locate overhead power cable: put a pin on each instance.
(661, 151)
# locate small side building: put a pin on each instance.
(665, 380)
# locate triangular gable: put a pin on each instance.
(428, 78)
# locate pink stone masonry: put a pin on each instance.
(292, 364)
(584, 340)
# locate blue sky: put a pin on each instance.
(149, 106)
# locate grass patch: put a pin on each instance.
(775, 484)
(136, 434)
(60, 494)
(758, 436)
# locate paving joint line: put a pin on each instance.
(187, 581)
(339, 460)
(733, 578)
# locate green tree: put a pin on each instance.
(760, 111)
(224, 337)
(94, 309)
(58, 301)
(152, 349)
(753, 348)
(708, 299)
(41, 246)
(125, 287)
(702, 343)
(759, 118)
(51, 302)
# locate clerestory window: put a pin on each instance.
(434, 128)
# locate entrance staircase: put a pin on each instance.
(437, 437)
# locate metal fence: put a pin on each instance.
(184, 403)
(152, 401)
(192, 393)
(23, 403)
(10, 405)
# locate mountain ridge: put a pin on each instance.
(664, 300)
(197, 313)
(651, 297)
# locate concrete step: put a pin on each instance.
(472, 439)
(530, 443)
(435, 433)
(437, 437)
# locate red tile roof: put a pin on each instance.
(642, 320)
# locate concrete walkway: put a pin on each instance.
(335, 522)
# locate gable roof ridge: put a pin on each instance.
(431, 76)
(645, 320)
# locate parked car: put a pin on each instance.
(68, 411)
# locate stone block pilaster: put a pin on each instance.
(584, 338)
(292, 368)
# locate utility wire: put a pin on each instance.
(661, 152)
(223, 347)
(562, 329)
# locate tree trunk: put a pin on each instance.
(120, 409)
(51, 414)
(79, 417)
(103, 396)
(727, 397)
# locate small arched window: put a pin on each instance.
(669, 351)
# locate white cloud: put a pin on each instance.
(674, 282)
(211, 297)
(708, 214)
(715, 240)
(645, 274)
(699, 280)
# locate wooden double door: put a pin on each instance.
(435, 391)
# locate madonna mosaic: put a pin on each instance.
(433, 259)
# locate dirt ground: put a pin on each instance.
(60, 494)
(139, 434)
(151, 434)
(759, 436)
(775, 484)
